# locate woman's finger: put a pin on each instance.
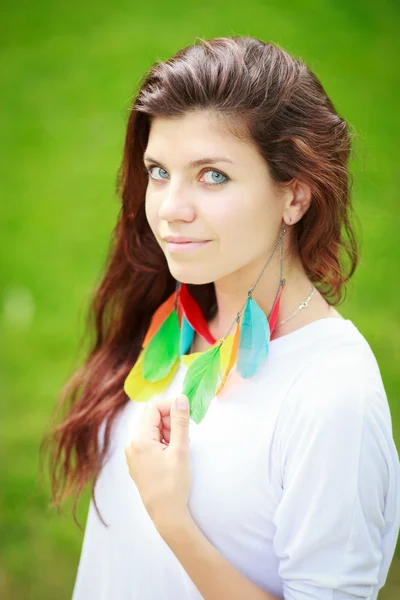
(166, 422)
(156, 414)
(166, 435)
(149, 425)
(164, 406)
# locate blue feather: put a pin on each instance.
(186, 337)
(253, 341)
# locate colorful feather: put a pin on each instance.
(140, 390)
(200, 382)
(254, 340)
(162, 350)
(232, 358)
(179, 309)
(170, 337)
(225, 352)
(194, 315)
(275, 310)
(159, 317)
(187, 335)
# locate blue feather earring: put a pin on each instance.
(256, 329)
(254, 340)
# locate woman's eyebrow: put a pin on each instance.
(195, 163)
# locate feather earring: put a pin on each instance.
(168, 337)
(162, 342)
(201, 378)
(249, 350)
(158, 318)
(139, 389)
(163, 349)
(136, 386)
(193, 314)
(187, 335)
(254, 340)
(275, 309)
(200, 382)
(171, 333)
(232, 358)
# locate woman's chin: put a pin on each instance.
(192, 274)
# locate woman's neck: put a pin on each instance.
(231, 295)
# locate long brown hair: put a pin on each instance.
(276, 102)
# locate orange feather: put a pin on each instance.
(232, 359)
(159, 317)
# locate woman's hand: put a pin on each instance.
(158, 459)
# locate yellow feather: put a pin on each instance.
(225, 353)
(141, 390)
(232, 357)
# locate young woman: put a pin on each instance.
(233, 246)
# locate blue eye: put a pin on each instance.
(214, 182)
(155, 167)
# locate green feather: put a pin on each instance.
(200, 382)
(162, 350)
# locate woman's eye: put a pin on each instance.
(150, 169)
(216, 178)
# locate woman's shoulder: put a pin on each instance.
(338, 402)
(340, 372)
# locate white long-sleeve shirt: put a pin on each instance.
(295, 480)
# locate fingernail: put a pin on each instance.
(182, 402)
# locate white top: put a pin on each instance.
(296, 481)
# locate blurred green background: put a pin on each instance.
(68, 74)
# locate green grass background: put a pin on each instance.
(68, 74)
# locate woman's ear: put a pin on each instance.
(297, 203)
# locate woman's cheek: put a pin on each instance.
(151, 216)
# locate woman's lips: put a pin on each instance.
(186, 246)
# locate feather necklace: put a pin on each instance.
(170, 336)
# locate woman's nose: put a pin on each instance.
(176, 205)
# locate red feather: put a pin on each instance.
(193, 314)
(275, 311)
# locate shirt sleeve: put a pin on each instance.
(334, 446)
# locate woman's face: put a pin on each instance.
(230, 200)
